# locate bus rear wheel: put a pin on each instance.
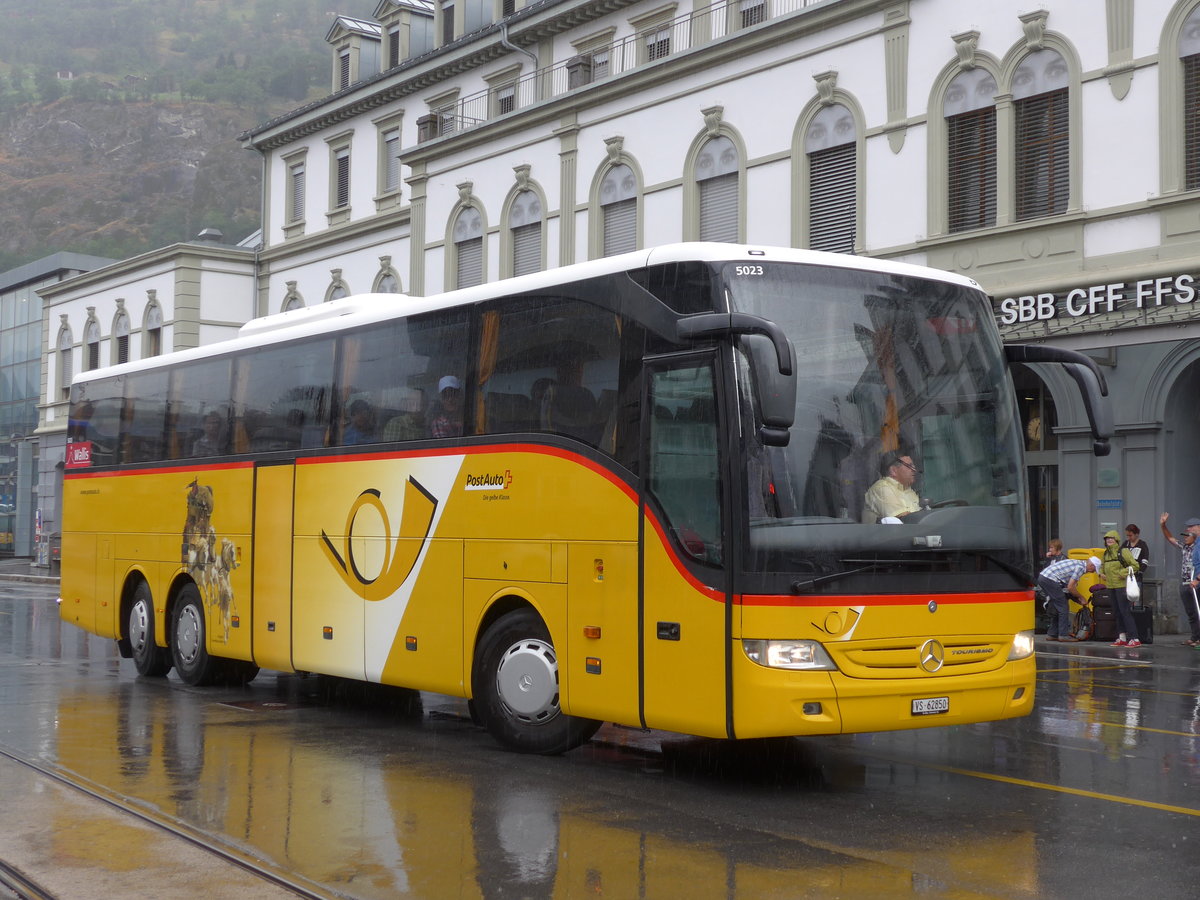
(150, 659)
(189, 641)
(515, 683)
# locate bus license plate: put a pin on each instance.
(930, 706)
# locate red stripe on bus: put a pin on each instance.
(884, 599)
(72, 474)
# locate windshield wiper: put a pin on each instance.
(864, 565)
(1015, 571)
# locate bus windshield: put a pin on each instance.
(902, 471)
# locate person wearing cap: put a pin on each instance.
(449, 420)
(1115, 566)
(1189, 550)
(1058, 580)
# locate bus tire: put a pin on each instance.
(516, 688)
(189, 638)
(151, 660)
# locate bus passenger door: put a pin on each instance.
(274, 496)
(685, 622)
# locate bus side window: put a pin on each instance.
(198, 422)
(144, 418)
(283, 396)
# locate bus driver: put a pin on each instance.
(893, 494)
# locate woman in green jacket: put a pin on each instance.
(1115, 566)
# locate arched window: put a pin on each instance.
(468, 248)
(525, 223)
(1189, 56)
(717, 179)
(91, 341)
(152, 324)
(1042, 141)
(831, 145)
(337, 286)
(969, 108)
(121, 337)
(65, 364)
(388, 283)
(618, 210)
(292, 299)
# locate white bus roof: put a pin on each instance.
(366, 309)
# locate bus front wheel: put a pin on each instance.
(188, 640)
(151, 660)
(515, 683)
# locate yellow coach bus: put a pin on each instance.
(631, 490)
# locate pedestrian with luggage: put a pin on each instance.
(1140, 549)
(1189, 551)
(1058, 580)
(1116, 565)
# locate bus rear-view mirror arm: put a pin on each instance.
(772, 365)
(711, 324)
(1089, 378)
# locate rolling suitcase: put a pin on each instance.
(1143, 620)
(1105, 624)
(1104, 615)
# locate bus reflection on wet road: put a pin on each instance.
(370, 793)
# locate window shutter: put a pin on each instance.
(65, 371)
(527, 249)
(1043, 176)
(832, 199)
(620, 227)
(343, 71)
(470, 263)
(1191, 121)
(393, 48)
(971, 158)
(297, 193)
(343, 179)
(752, 12)
(719, 208)
(392, 149)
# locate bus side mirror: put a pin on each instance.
(1087, 376)
(774, 392)
(1099, 410)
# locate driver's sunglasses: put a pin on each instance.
(909, 465)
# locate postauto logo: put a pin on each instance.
(494, 481)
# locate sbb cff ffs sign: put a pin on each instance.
(1097, 299)
(79, 455)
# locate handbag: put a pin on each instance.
(1132, 589)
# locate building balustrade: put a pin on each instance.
(649, 44)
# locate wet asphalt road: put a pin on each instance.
(1097, 794)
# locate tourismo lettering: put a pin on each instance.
(1098, 299)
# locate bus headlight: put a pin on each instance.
(808, 655)
(1022, 645)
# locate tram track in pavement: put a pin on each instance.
(15, 883)
(24, 886)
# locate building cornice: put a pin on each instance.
(524, 28)
(137, 265)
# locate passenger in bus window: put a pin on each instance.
(892, 496)
(448, 422)
(361, 429)
(209, 443)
